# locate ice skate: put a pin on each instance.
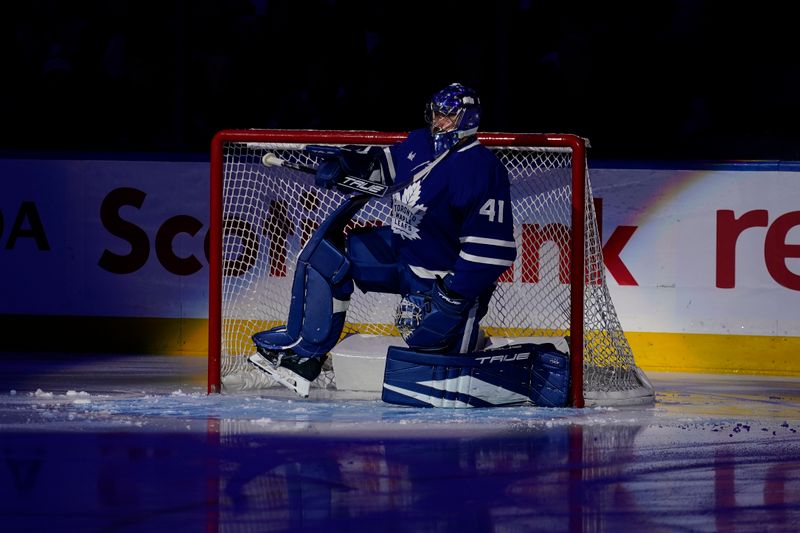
(289, 369)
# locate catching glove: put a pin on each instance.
(340, 162)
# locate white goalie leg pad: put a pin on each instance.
(285, 377)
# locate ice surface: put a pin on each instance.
(135, 443)
(165, 391)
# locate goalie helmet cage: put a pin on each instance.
(262, 215)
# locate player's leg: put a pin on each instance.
(293, 354)
(433, 321)
(373, 260)
(375, 269)
(428, 320)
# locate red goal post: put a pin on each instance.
(240, 151)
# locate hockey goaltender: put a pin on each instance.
(450, 239)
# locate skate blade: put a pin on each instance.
(287, 378)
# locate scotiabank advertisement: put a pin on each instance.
(104, 238)
(703, 262)
(703, 251)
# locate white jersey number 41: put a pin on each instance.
(488, 209)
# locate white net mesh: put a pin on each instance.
(270, 212)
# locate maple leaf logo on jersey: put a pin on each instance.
(407, 212)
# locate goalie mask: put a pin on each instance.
(453, 114)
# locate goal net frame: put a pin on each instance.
(580, 199)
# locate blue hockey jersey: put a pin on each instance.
(453, 218)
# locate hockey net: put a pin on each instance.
(263, 215)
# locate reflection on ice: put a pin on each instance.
(714, 454)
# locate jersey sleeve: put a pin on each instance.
(399, 160)
(487, 246)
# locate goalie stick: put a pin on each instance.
(349, 182)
